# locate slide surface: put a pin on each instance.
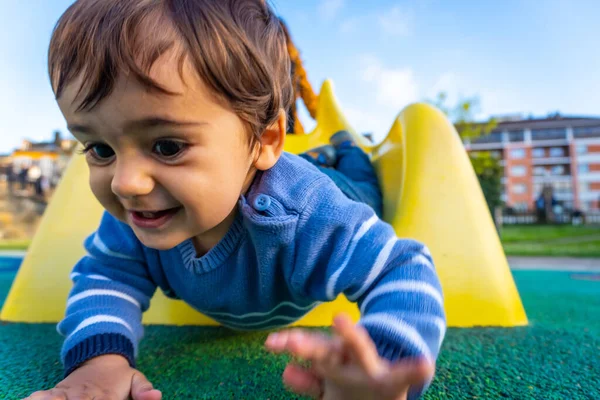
(430, 192)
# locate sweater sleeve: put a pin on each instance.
(344, 248)
(111, 289)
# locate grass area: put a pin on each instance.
(558, 241)
(14, 244)
(552, 358)
(518, 233)
(581, 249)
(522, 240)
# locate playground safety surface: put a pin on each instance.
(556, 357)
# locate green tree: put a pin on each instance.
(486, 166)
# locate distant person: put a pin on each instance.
(185, 153)
(23, 177)
(10, 178)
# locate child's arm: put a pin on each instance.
(102, 326)
(344, 248)
(112, 287)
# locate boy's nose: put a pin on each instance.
(131, 181)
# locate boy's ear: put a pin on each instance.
(271, 143)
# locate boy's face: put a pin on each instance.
(171, 167)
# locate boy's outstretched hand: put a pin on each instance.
(345, 366)
(107, 377)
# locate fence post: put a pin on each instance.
(498, 219)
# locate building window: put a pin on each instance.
(586, 132)
(519, 189)
(584, 187)
(518, 170)
(494, 137)
(539, 171)
(538, 153)
(583, 168)
(562, 187)
(516, 136)
(495, 154)
(581, 149)
(521, 207)
(517, 154)
(557, 152)
(558, 170)
(549, 134)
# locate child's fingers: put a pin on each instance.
(312, 346)
(277, 341)
(408, 373)
(47, 395)
(150, 395)
(360, 345)
(302, 381)
(142, 389)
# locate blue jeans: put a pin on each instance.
(355, 176)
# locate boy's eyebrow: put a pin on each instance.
(153, 122)
(144, 123)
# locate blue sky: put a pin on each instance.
(527, 56)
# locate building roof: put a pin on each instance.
(47, 146)
(550, 122)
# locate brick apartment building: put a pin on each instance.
(559, 150)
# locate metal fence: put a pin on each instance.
(591, 218)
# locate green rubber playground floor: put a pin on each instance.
(556, 357)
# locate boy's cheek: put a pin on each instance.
(101, 189)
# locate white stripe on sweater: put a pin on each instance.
(441, 325)
(421, 259)
(378, 266)
(96, 319)
(101, 292)
(403, 286)
(364, 228)
(91, 276)
(399, 328)
(106, 251)
(98, 277)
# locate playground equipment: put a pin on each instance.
(430, 193)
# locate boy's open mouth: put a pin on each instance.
(153, 219)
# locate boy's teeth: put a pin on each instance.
(146, 214)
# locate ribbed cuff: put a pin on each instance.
(97, 345)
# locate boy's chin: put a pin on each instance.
(160, 241)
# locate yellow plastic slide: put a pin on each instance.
(430, 194)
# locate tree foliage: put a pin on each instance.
(487, 167)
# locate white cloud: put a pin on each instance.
(394, 88)
(448, 83)
(375, 121)
(397, 22)
(386, 90)
(329, 9)
(350, 25)
(491, 99)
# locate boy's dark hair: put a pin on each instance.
(237, 47)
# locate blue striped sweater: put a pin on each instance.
(297, 241)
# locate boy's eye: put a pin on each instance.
(168, 148)
(100, 151)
